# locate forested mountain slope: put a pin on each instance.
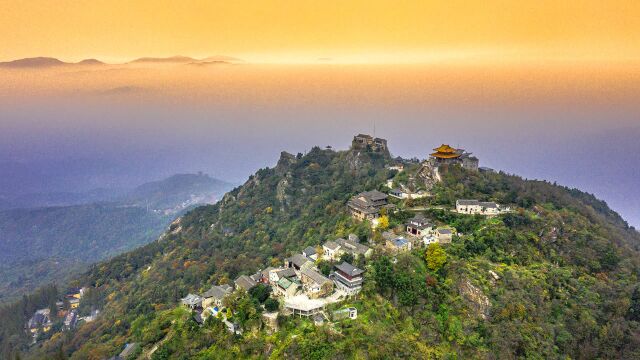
(556, 278)
(46, 244)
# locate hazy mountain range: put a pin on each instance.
(45, 62)
(75, 128)
(43, 244)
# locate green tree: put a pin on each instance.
(271, 305)
(260, 292)
(383, 274)
(634, 308)
(436, 257)
(324, 267)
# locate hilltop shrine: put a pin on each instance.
(447, 155)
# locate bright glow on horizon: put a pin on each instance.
(354, 32)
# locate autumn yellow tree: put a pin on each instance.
(383, 222)
(436, 256)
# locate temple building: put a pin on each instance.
(368, 142)
(347, 278)
(445, 155)
(367, 205)
(419, 226)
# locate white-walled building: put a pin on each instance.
(473, 207)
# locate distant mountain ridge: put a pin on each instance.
(171, 59)
(33, 62)
(177, 192)
(45, 62)
(44, 244)
(48, 62)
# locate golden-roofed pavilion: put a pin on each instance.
(447, 152)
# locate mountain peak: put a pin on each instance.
(172, 59)
(34, 62)
(219, 58)
(90, 62)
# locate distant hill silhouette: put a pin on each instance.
(35, 62)
(172, 59)
(221, 58)
(47, 62)
(216, 62)
(90, 62)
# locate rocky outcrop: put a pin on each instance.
(428, 174)
(477, 301)
(355, 160)
(285, 162)
(281, 191)
(174, 228)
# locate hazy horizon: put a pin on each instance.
(114, 126)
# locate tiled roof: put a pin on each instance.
(374, 195)
(265, 272)
(216, 292)
(309, 250)
(349, 269)
(332, 245)
(245, 282)
(315, 276)
(284, 283)
(191, 299)
(353, 247)
(489, 205)
(286, 273)
(298, 260)
(399, 242)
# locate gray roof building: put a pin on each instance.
(286, 273)
(297, 261)
(349, 269)
(399, 242)
(467, 202)
(488, 205)
(217, 292)
(353, 247)
(309, 251)
(315, 276)
(192, 301)
(245, 282)
(366, 205)
(333, 245)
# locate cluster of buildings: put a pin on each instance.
(404, 194)
(367, 206)
(300, 279)
(333, 250)
(475, 207)
(303, 289)
(426, 232)
(42, 320)
(298, 283)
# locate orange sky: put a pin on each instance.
(304, 31)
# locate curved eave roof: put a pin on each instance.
(445, 155)
(445, 148)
